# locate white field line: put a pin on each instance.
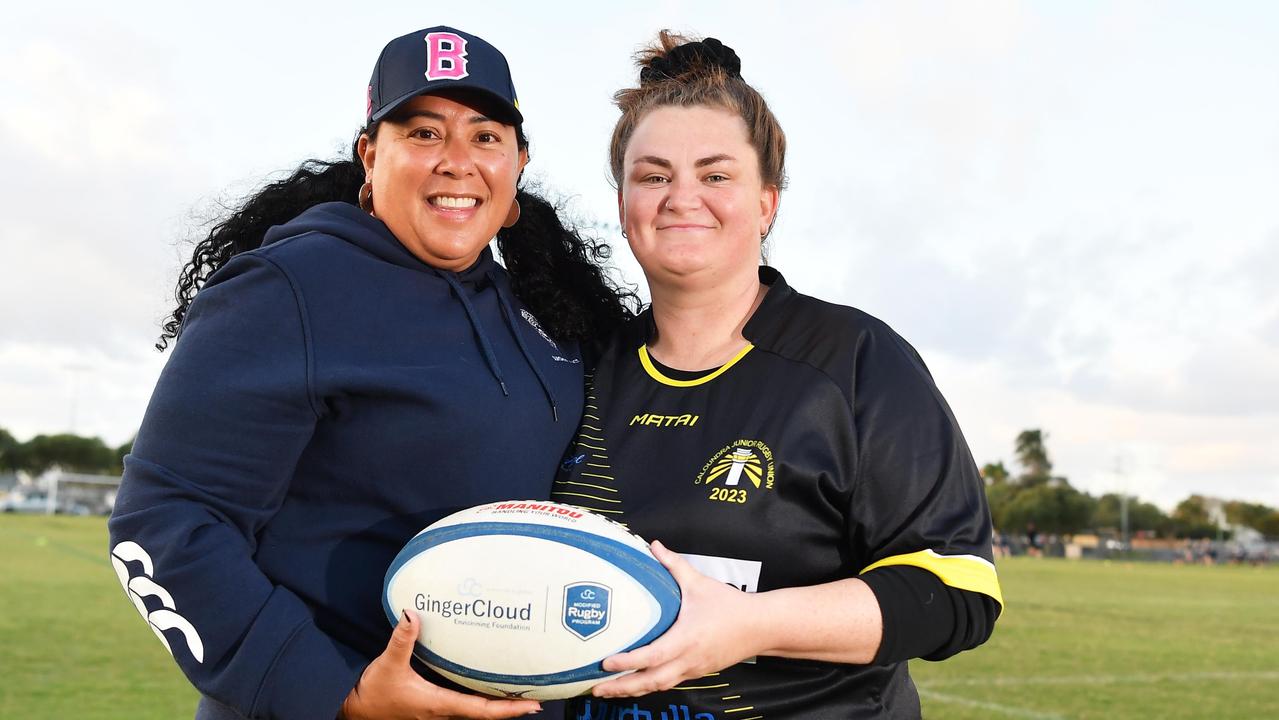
(1008, 710)
(1139, 679)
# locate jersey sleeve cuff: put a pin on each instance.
(964, 572)
(918, 614)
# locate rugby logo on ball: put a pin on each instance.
(527, 598)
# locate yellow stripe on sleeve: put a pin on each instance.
(966, 572)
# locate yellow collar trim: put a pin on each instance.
(656, 374)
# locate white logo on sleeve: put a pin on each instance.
(141, 587)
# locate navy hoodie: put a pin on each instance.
(330, 396)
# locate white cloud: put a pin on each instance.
(1164, 455)
(52, 388)
(65, 112)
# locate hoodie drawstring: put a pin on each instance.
(519, 340)
(485, 345)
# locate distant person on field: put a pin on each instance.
(1034, 548)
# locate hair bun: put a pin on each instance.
(691, 56)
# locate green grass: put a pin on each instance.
(71, 644)
(1078, 640)
(1118, 640)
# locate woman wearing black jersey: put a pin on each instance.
(786, 447)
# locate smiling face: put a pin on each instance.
(692, 201)
(443, 177)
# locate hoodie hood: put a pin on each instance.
(350, 223)
(354, 225)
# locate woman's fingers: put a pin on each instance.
(707, 635)
(647, 681)
(450, 703)
(391, 689)
(674, 562)
(400, 647)
(659, 652)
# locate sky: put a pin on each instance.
(1069, 209)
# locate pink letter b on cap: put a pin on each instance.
(445, 56)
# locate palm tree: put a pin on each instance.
(994, 473)
(1033, 457)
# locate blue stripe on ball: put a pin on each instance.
(644, 568)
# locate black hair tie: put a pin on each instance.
(689, 56)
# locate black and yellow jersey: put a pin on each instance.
(822, 451)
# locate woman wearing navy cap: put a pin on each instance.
(354, 367)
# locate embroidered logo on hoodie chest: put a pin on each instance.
(532, 321)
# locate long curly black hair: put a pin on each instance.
(558, 272)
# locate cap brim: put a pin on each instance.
(500, 110)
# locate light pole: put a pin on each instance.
(75, 369)
(1123, 502)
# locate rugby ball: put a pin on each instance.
(525, 599)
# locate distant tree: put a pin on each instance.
(1269, 525)
(1192, 511)
(1262, 518)
(1141, 515)
(1247, 514)
(1032, 455)
(70, 452)
(120, 452)
(1148, 517)
(1055, 508)
(9, 451)
(999, 497)
(1106, 516)
(1190, 519)
(995, 473)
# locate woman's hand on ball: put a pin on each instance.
(714, 629)
(391, 689)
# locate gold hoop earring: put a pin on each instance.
(513, 215)
(365, 197)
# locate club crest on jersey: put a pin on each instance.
(445, 56)
(586, 609)
(737, 469)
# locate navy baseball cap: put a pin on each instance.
(440, 58)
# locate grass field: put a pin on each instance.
(1078, 640)
(71, 645)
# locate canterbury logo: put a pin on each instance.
(141, 587)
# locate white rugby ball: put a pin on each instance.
(526, 598)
